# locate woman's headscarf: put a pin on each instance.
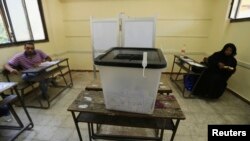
(229, 45)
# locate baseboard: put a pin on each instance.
(173, 73)
(84, 70)
(239, 96)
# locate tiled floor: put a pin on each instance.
(56, 123)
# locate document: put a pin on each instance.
(196, 64)
(48, 63)
(6, 85)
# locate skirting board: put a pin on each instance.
(239, 96)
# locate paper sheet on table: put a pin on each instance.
(5, 85)
(196, 64)
(48, 63)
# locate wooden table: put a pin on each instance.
(4, 86)
(47, 71)
(91, 109)
(185, 65)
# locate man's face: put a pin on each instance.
(29, 49)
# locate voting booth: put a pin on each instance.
(122, 31)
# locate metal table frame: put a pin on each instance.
(159, 121)
(185, 65)
(8, 100)
(44, 73)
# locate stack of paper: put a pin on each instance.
(196, 64)
(48, 63)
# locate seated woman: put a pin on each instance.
(220, 66)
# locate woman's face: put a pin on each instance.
(228, 51)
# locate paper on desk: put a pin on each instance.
(5, 85)
(188, 60)
(196, 64)
(48, 63)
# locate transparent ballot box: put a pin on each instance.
(130, 78)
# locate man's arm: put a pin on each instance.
(10, 69)
(44, 55)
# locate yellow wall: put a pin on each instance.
(179, 24)
(222, 32)
(53, 16)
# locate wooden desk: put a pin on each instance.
(167, 110)
(184, 63)
(50, 69)
(96, 86)
(8, 100)
(45, 72)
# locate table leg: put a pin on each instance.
(70, 76)
(76, 124)
(156, 132)
(15, 116)
(172, 70)
(161, 135)
(90, 129)
(98, 128)
(175, 129)
(63, 77)
(24, 108)
(177, 75)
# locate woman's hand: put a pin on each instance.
(221, 65)
(229, 68)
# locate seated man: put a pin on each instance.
(30, 58)
(220, 66)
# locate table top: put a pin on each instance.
(189, 61)
(6, 85)
(45, 65)
(93, 102)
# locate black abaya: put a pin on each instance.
(213, 81)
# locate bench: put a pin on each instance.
(30, 91)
